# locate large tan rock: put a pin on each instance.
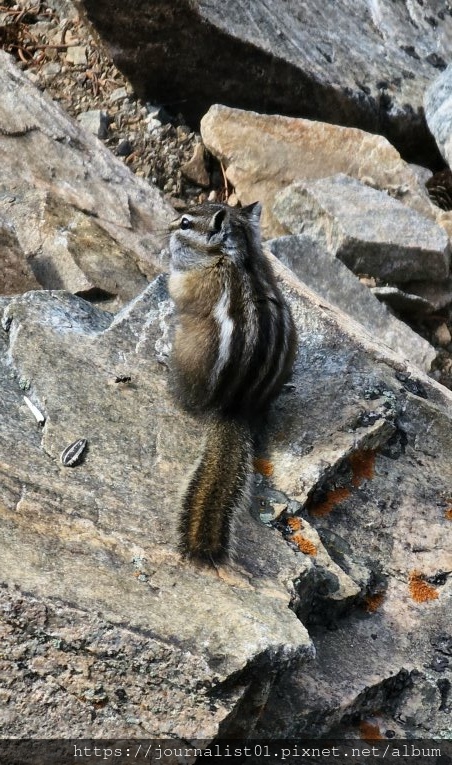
(78, 216)
(263, 154)
(121, 637)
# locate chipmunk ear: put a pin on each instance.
(253, 212)
(216, 220)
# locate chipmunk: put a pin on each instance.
(233, 350)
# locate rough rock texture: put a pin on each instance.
(333, 281)
(76, 217)
(100, 537)
(263, 154)
(438, 112)
(17, 275)
(358, 63)
(119, 636)
(104, 630)
(367, 516)
(370, 232)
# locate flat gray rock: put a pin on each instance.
(100, 537)
(335, 282)
(362, 64)
(369, 231)
(123, 638)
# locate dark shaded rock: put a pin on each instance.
(416, 298)
(402, 301)
(439, 189)
(370, 71)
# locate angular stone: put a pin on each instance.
(195, 169)
(353, 62)
(91, 121)
(403, 301)
(264, 153)
(370, 232)
(335, 282)
(438, 112)
(417, 298)
(96, 597)
(76, 55)
(82, 220)
(442, 335)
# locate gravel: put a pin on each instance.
(61, 56)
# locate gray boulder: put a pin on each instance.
(369, 70)
(123, 638)
(100, 538)
(333, 281)
(77, 217)
(369, 231)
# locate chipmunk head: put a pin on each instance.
(211, 230)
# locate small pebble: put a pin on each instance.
(153, 124)
(76, 55)
(124, 148)
(118, 95)
(442, 335)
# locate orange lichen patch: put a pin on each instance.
(333, 498)
(420, 590)
(303, 544)
(369, 731)
(263, 466)
(294, 523)
(373, 602)
(448, 514)
(363, 466)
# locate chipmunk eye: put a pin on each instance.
(186, 223)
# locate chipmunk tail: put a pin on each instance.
(217, 489)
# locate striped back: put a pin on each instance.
(256, 339)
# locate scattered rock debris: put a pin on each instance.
(62, 57)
